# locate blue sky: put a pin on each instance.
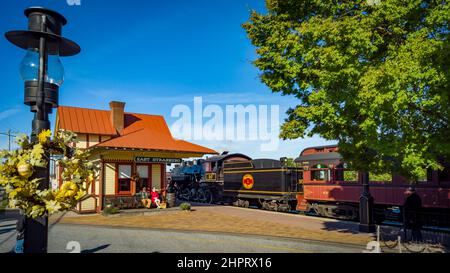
(152, 55)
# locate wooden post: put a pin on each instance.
(100, 187)
(133, 187)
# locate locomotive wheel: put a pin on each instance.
(273, 206)
(241, 203)
(208, 197)
(283, 208)
(260, 204)
(204, 196)
(201, 196)
(193, 195)
(185, 194)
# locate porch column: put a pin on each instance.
(100, 187)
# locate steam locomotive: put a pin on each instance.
(237, 179)
(202, 180)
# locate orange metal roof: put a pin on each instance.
(141, 131)
(86, 121)
(149, 139)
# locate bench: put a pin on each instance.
(124, 202)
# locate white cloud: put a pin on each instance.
(9, 112)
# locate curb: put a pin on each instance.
(124, 213)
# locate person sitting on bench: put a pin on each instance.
(143, 194)
(155, 198)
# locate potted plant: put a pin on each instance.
(185, 207)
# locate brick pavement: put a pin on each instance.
(234, 220)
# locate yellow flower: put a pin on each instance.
(80, 195)
(91, 177)
(24, 169)
(44, 136)
(69, 189)
(60, 195)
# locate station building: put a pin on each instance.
(123, 146)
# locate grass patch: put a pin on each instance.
(110, 210)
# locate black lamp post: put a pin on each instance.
(43, 73)
(365, 205)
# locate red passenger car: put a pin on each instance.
(332, 190)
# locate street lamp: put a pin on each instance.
(365, 205)
(43, 74)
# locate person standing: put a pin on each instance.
(412, 214)
(20, 227)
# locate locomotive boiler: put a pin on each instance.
(202, 180)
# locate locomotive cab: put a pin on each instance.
(214, 166)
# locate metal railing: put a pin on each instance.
(401, 240)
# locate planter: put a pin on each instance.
(171, 200)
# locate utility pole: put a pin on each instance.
(9, 135)
(9, 140)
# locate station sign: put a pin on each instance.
(157, 160)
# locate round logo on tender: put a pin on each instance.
(248, 181)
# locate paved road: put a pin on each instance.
(117, 240)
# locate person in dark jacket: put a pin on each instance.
(20, 227)
(412, 214)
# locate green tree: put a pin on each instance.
(373, 75)
(290, 162)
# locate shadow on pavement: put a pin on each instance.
(8, 225)
(7, 230)
(344, 227)
(96, 249)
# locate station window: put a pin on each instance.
(124, 179)
(144, 181)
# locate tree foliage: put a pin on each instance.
(373, 75)
(24, 192)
